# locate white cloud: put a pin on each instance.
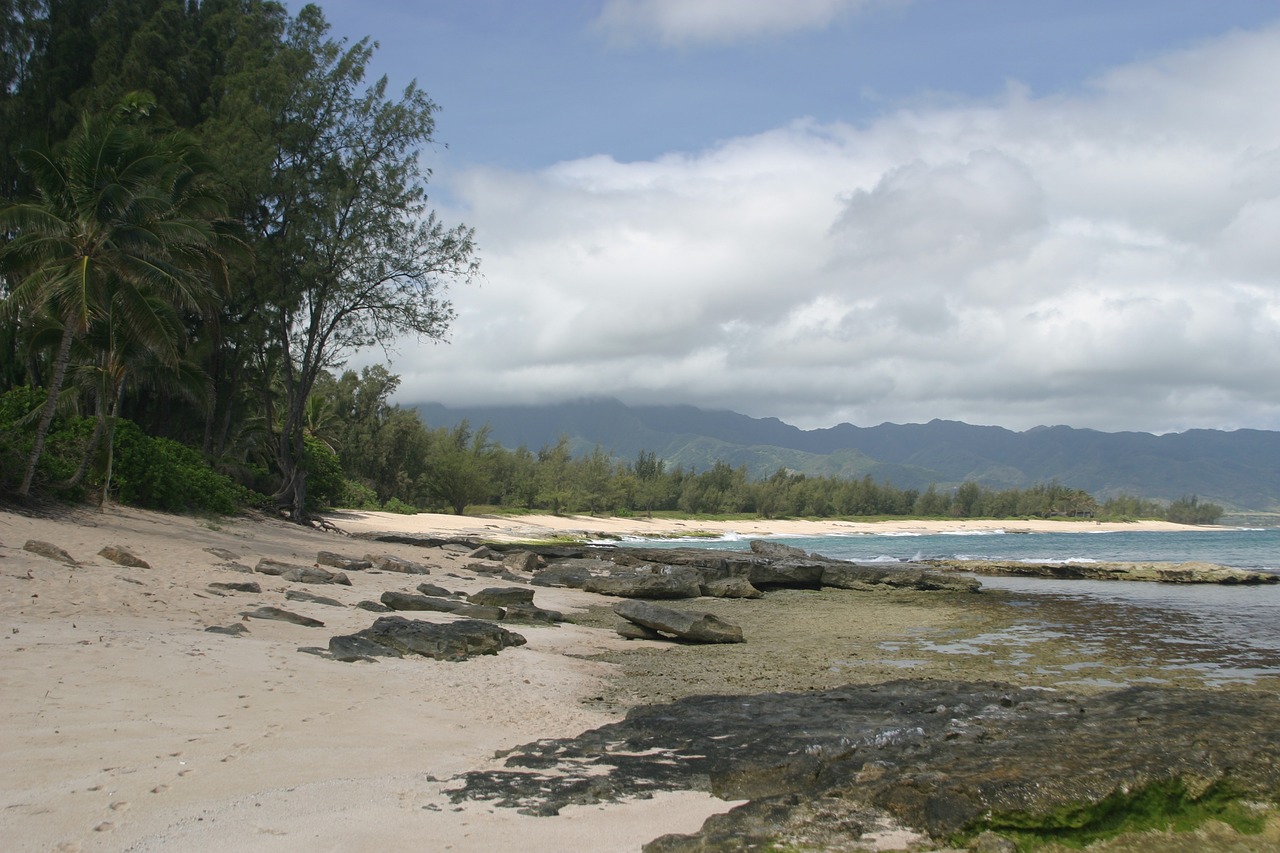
(1105, 260)
(677, 22)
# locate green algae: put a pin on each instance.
(1162, 806)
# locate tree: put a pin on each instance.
(349, 254)
(121, 229)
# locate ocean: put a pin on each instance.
(1224, 635)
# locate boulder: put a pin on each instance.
(355, 647)
(694, 627)
(439, 591)
(450, 641)
(532, 614)
(634, 631)
(502, 596)
(892, 575)
(522, 561)
(300, 574)
(346, 564)
(572, 573)
(392, 563)
(223, 553)
(373, 606)
(665, 582)
(278, 615)
(793, 573)
(234, 630)
(734, 587)
(486, 568)
(409, 601)
(123, 557)
(49, 550)
(776, 550)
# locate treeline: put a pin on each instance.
(204, 206)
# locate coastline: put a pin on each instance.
(516, 528)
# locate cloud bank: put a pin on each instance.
(683, 22)
(1109, 259)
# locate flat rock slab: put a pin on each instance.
(299, 595)
(1194, 572)
(392, 563)
(938, 758)
(502, 596)
(300, 574)
(275, 613)
(694, 627)
(346, 564)
(247, 586)
(451, 641)
(667, 582)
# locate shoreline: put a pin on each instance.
(519, 528)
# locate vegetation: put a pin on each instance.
(206, 209)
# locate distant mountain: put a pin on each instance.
(1239, 469)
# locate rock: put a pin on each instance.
(792, 573)
(223, 553)
(409, 601)
(861, 757)
(572, 573)
(533, 614)
(433, 589)
(299, 595)
(346, 564)
(484, 552)
(1195, 572)
(522, 561)
(268, 566)
(989, 842)
(356, 647)
(635, 631)
(450, 641)
(49, 550)
(279, 615)
(301, 574)
(480, 611)
(485, 568)
(735, 587)
(373, 606)
(122, 557)
(776, 550)
(392, 563)
(694, 627)
(666, 582)
(247, 586)
(231, 630)
(505, 596)
(893, 575)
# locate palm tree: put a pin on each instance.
(119, 219)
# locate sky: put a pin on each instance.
(825, 211)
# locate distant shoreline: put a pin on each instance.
(506, 528)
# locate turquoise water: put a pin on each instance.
(1221, 634)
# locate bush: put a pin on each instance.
(326, 484)
(158, 473)
(397, 505)
(358, 496)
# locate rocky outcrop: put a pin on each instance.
(944, 760)
(693, 627)
(649, 582)
(409, 601)
(300, 574)
(730, 588)
(123, 557)
(345, 564)
(392, 563)
(1195, 572)
(247, 586)
(504, 596)
(451, 641)
(299, 595)
(573, 572)
(866, 577)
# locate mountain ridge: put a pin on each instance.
(1239, 469)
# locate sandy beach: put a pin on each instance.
(125, 725)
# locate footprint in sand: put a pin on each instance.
(105, 826)
(159, 789)
(121, 806)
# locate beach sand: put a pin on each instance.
(124, 725)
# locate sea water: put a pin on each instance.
(1228, 634)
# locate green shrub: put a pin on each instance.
(397, 505)
(358, 496)
(159, 473)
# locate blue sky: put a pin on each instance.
(856, 210)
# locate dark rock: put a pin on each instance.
(49, 550)
(223, 553)
(268, 566)
(572, 573)
(231, 630)
(409, 601)
(373, 606)
(894, 575)
(346, 564)
(355, 647)
(694, 627)
(480, 611)
(1183, 573)
(665, 582)
(247, 586)
(532, 614)
(484, 552)
(485, 568)
(776, 550)
(635, 631)
(792, 573)
(301, 574)
(864, 756)
(299, 595)
(279, 615)
(433, 589)
(504, 596)
(735, 587)
(392, 563)
(522, 561)
(443, 641)
(123, 557)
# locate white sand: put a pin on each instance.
(125, 726)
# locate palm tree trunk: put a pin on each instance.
(60, 363)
